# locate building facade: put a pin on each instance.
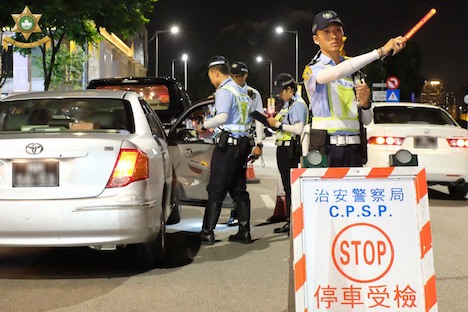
(110, 57)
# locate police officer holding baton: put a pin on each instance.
(233, 146)
(339, 99)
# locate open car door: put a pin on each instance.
(191, 155)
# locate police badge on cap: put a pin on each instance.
(323, 19)
(239, 68)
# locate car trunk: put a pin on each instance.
(67, 167)
(417, 130)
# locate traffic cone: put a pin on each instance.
(250, 174)
(279, 213)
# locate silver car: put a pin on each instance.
(85, 168)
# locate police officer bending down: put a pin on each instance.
(228, 164)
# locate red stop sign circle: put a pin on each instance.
(362, 252)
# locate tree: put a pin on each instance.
(68, 68)
(78, 21)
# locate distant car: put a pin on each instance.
(84, 168)
(427, 131)
(165, 95)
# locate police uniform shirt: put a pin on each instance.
(297, 112)
(341, 93)
(256, 98)
(225, 102)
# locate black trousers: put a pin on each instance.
(228, 168)
(286, 159)
(344, 156)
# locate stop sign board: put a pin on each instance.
(361, 240)
(393, 82)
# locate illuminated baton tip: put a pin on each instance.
(423, 21)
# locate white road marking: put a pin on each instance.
(267, 200)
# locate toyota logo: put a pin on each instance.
(34, 148)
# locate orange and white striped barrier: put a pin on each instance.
(362, 240)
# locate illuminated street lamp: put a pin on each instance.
(173, 30)
(280, 30)
(260, 59)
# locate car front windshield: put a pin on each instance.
(411, 115)
(70, 114)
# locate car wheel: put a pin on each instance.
(459, 191)
(153, 253)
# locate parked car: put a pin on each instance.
(164, 94)
(84, 168)
(428, 131)
(191, 155)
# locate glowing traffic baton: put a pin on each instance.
(423, 21)
(415, 28)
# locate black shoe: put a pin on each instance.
(202, 238)
(275, 219)
(283, 229)
(232, 222)
(241, 237)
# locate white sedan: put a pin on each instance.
(427, 131)
(84, 168)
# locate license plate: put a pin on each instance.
(425, 142)
(36, 174)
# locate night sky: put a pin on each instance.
(240, 30)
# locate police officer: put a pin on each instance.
(239, 73)
(228, 164)
(339, 100)
(289, 123)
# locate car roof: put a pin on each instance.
(66, 94)
(404, 104)
(131, 81)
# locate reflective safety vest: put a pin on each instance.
(343, 108)
(244, 106)
(282, 135)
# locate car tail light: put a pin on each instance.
(385, 140)
(458, 142)
(131, 165)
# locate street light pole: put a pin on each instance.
(185, 59)
(173, 68)
(280, 30)
(174, 30)
(260, 59)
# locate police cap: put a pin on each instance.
(281, 82)
(239, 68)
(217, 60)
(323, 19)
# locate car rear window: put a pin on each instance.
(411, 115)
(157, 96)
(80, 114)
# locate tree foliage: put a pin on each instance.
(406, 65)
(68, 68)
(78, 21)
